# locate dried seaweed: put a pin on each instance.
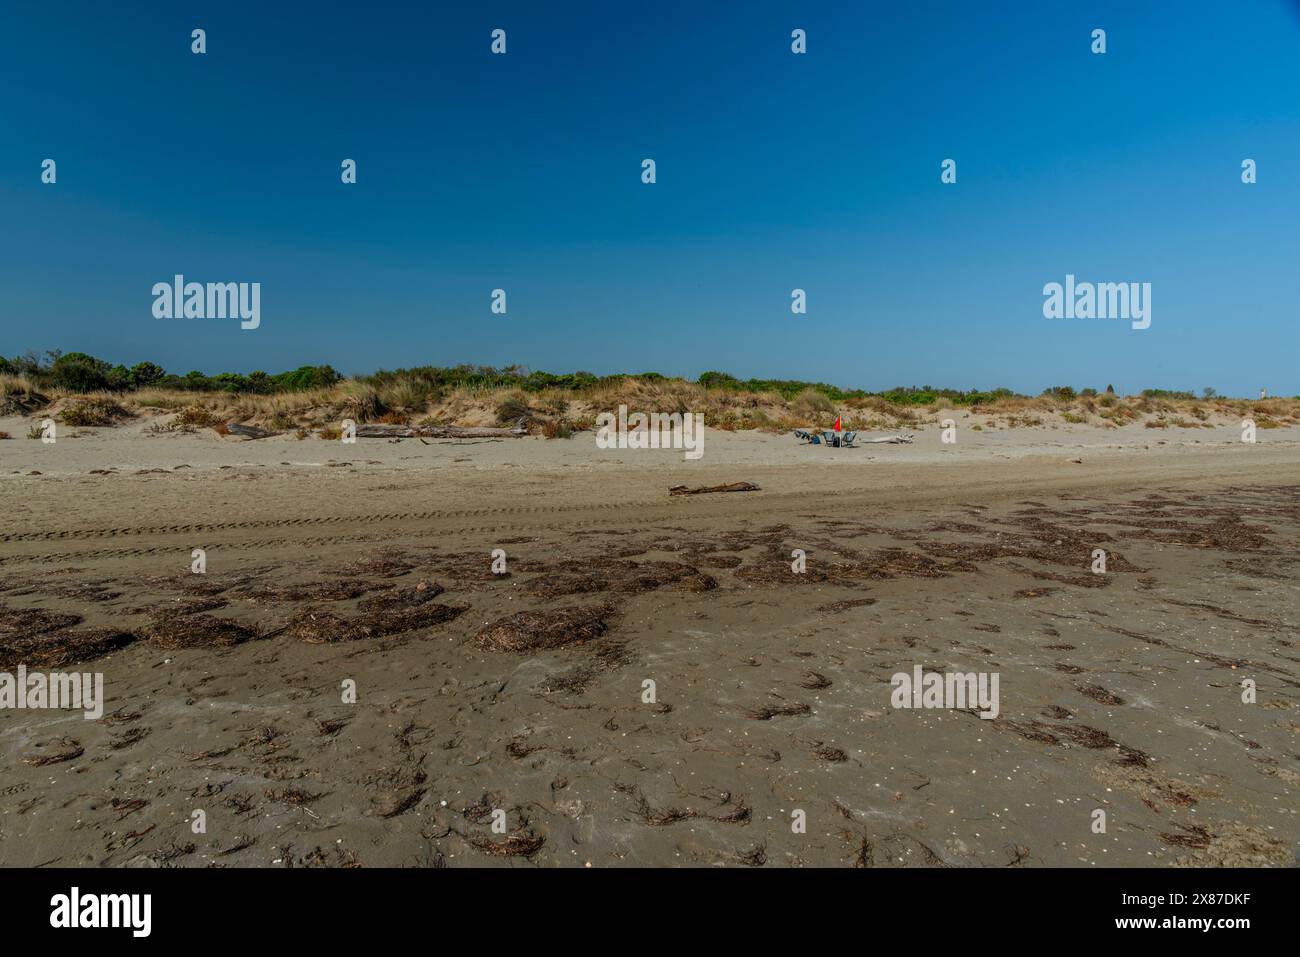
(527, 631)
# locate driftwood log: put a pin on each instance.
(434, 432)
(396, 432)
(733, 487)
(248, 431)
(887, 440)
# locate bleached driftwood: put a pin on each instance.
(848, 440)
(378, 431)
(887, 440)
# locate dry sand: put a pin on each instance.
(524, 693)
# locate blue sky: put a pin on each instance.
(775, 171)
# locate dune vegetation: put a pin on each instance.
(79, 390)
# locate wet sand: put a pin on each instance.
(1118, 692)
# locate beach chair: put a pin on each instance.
(837, 440)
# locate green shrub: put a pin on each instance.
(78, 372)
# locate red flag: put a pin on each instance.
(837, 423)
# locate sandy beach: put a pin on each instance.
(525, 693)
